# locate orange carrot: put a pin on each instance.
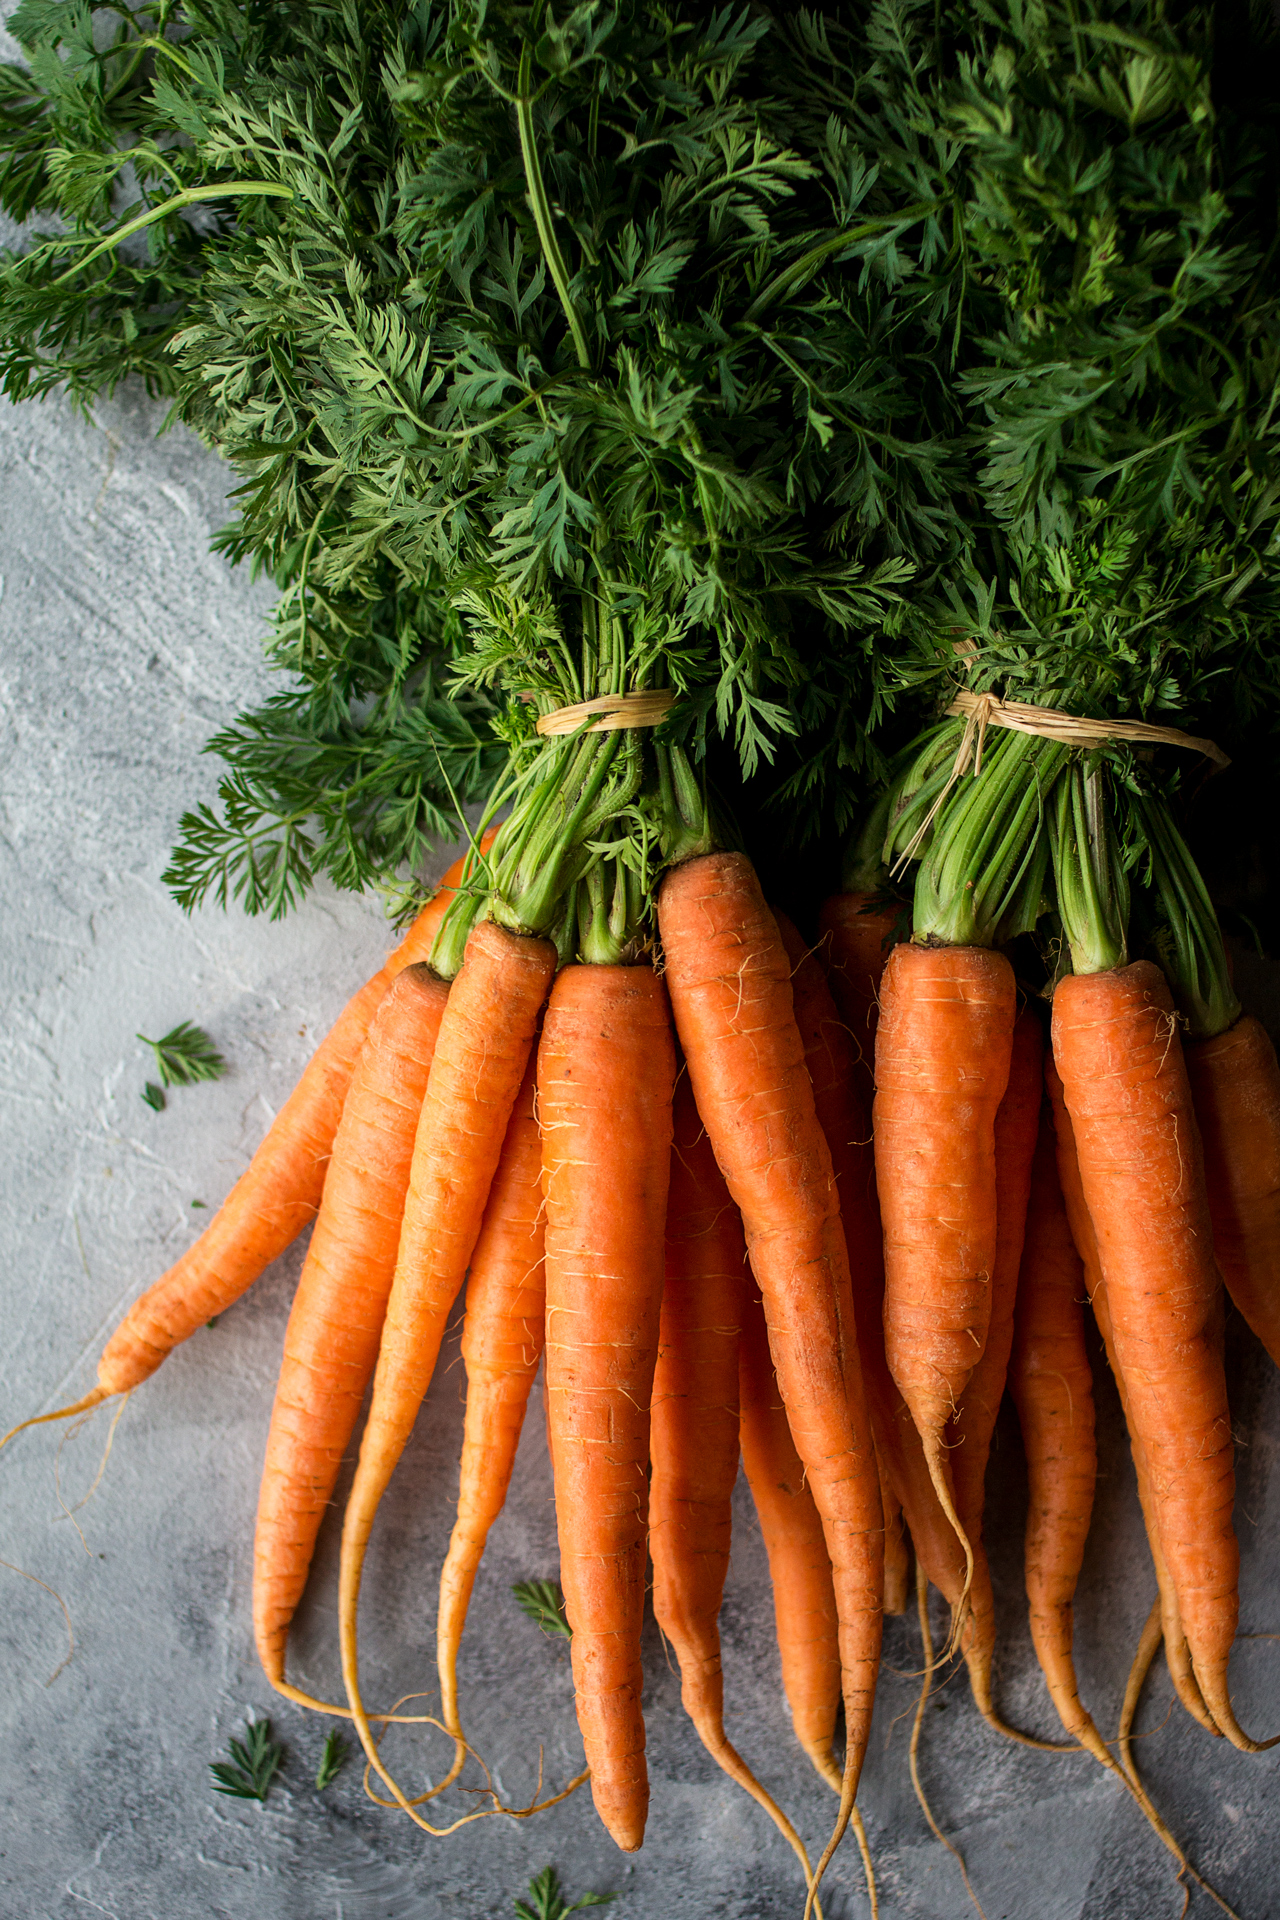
(1235, 1083)
(1116, 1045)
(856, 933)
(942, 1064)
(693, 1441)
(606, 1068)
(830, 1056)
(272, 1201)
(1176, 1653)
(502, 1339)
(906, 1486)
(483, 1048)
(804, 1602)
(1052, 1384)
(970, 1431)
(331, 1342)
(729, 979)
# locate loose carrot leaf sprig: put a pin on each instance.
(543, 1601)
(337, 1750)
(185, 1056)
(547, 1900)
(253, 1765)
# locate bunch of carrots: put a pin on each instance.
(665, 1184)
(636, 388)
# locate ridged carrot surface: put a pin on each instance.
(855, 938)
(331, 1342)
(1235, 1084)
(502, 1339)
(1052, 1385)
(279, 1193)
(1116, 1046)
(606, 1070)
(729, 979)
(1082, 1233)
(943, 1049)
(481, 1054)
(969, 1433)
(804, 1601)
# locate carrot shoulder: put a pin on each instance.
(729, 979)
(481, 1053)
(331, 1342)
(606, 1069)
(1117, 1049)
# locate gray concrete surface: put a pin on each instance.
(122, 644)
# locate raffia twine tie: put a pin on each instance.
(983, 710)
(616, 713)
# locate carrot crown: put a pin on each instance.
(982, 878)
(1093, 892)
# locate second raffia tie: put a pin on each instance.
(983, 710)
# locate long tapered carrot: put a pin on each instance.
(830, 1058)
(274, 1199)
(481, 1054)
(502, 1339)
(943, 1048)
(1235, 1084)
(857, 932)
(693, 1439)
(1116, 1045)
(331, 1342)
(1052, 1386)
(1176, 1653)
(804, 1601)
(729, 979)
(606, 1069)
(832, 1061)
(970, 1432)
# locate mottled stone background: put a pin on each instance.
(123, 644)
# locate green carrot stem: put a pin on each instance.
(229, 190)
(1092, 888)
(984, 842)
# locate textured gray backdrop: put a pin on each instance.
(123, 643)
